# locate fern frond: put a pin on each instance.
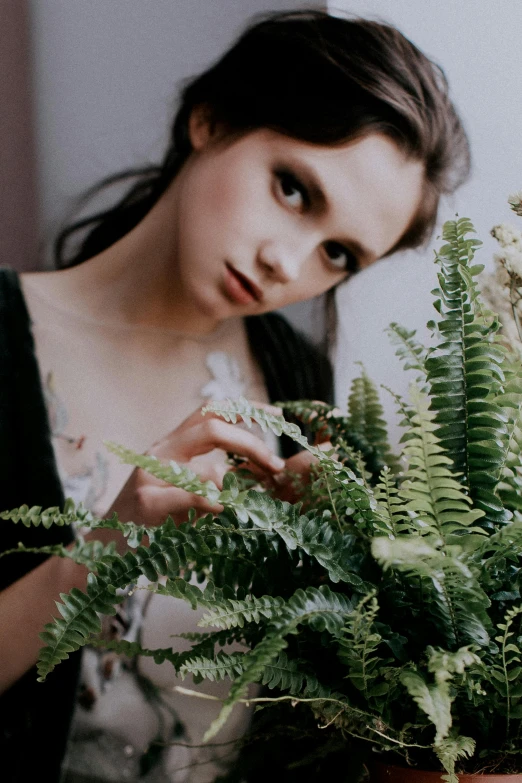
(134, 649)
(80, 619)
(365, 428)
(403, 408)
(411, 352)
(358, 645)
(391, 516)
(215, 669)
(328, 547)
(237, 556)
(230, 613)
(287, 674)
(318, 416)
(465, 374)
(357, 454)
(435, 698)
(494, 551)
(231, 497)
(450, 750)
(86, 553)
(36, 515)
(195, 595)
(73, 514)
(453, 599)
(232, 411)
(354, 460)
(506, 673)
(318, 607)
(510, 485)
(134, 534)
(177, 475)
(361, 500)
(202, 648)
(79, 611)
(314, 536)
(438, 502)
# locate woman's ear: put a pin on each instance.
(201, 127)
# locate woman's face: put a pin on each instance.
(264, 221)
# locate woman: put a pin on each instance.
(314, 147)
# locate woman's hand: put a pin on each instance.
(284, 485)
(199, 443)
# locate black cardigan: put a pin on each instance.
(35, 717)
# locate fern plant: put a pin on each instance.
(382, 612)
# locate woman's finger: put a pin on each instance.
(215, 433)
(274, 409)
(165, 444)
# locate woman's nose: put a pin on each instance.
(280, 261)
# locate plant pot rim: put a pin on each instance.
(392, 773)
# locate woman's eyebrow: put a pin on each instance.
(319, 196)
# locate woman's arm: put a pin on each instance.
(26, 606)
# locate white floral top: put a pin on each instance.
(132, 385)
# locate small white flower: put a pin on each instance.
(511, 258)
(515, 202)
(507, 235)
(495, 289)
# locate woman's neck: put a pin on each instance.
(134, 281)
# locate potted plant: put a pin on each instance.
(382, 611)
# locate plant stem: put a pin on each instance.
(514, 302)
(332, 502)
(504, 666)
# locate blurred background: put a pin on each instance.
(478, 45)
(88, 87)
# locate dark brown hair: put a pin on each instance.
(316, 78)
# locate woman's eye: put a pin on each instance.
(292, 191)
(340, 257)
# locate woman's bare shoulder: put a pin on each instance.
(69, 289)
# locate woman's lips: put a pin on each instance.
(240, 288)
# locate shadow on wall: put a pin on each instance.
(18, 205)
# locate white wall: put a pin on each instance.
(106, 77)
(478, 43)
